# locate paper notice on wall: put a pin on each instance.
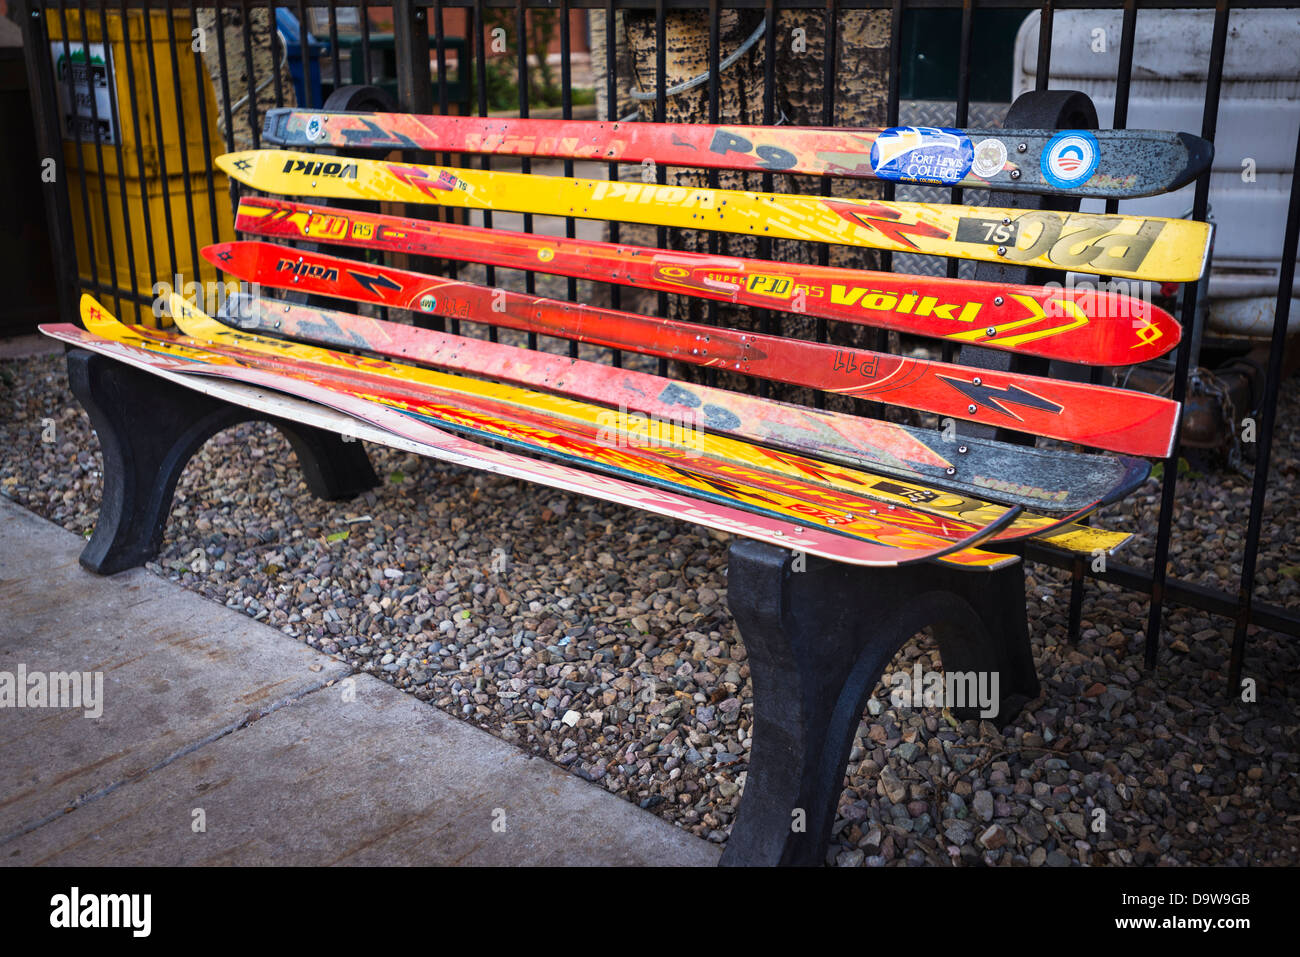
(84, 73)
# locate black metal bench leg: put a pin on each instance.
(817, 642)
(149, 429)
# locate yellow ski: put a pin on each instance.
(1136, 247)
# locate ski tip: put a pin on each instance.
(191, 320)
(1136, 472)
(1207, 250)
(1200, 154)
(239, 166)
(90, 308)
(220, 254)
(271, 124)
(64, 332)
(970, 559)
(94, 317)
(185, 314)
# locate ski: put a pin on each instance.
(1141, 424)
(875, 538)
(1136, 247)
(1098, 326)
(386, 426)
(1107, 164)
(647, 454)
(972, 466)
(674, 442)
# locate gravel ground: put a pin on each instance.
(599, 637)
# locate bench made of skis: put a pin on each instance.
(784, 477)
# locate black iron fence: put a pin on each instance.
(132, 101)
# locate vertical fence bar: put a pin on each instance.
(411, 57)
(611, 104)
(1209, 124)
(226, 112)
(446, 214)
(714, 96)
(767, 323)
(960, 120)
(187, 184)
(304, 55)
(284, 55)
(1124, 76)
(566, 110)
(99, 160)
(42, 83)
(1267, 420)
(80, 162)
(1044, 64)
(485, 161)
(661, 113)
(525, 164)
(368, 76)
(1123, 82)
(232, 185)
(440, 52)
(201, 78)
(121, 162)
(365, 42)
(173, 265)
(967, 34)
(415, 95)
(246, 34)
(139, 142)
(830, 29)
(892, 98)
(336, 61)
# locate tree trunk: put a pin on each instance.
(240, 73)
(860, 99)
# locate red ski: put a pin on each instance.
(1073, 412)
(1083, 324)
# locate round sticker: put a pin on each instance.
(990, 158)
(1070, 158)
(546, 254)
(315, 127)
(428, 303)
(921, 154)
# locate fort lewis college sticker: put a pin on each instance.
(1070, 159)
(922, 154)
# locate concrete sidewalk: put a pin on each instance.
(212, 718)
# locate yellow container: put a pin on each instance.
(159, 137)
(144, 198)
